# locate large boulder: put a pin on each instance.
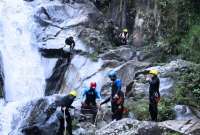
(95, 39)
(40, 117)
(120, 54)
(134, 127)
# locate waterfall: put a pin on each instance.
(23, 72)
(24, 76)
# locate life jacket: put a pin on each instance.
(91, 96)
(124, 35)
(116, 86)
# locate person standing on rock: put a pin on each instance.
(124, 37)
(64, 116)
(154, 94)
(116, 98)
(90, 95)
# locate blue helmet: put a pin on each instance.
(112, 74)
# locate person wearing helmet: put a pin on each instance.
(124, 37)
(154, 94)
(66, 103)
(91, 94)
(89, 106)
(116, 98)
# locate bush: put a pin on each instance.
(187, 90)
(190, 45)
(165, 111)
(140, 109)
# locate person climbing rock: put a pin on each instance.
(70, 41)
(90, 95)
(116, 98)
(66, 103)
(154, 94)
(124, 37)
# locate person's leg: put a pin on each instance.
(69, 122)
(155, 112)
(61, 119)
(151, 111)
(118, 115)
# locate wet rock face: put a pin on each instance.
(120, 54)
(94, 39)
(41, 119)
(134, 127)
(183, 112)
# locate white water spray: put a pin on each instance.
(24, 76)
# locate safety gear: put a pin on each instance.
(73, 93)
(112, 74)
(93, 85)
(153, 71)
(125, 30)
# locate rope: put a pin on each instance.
(65, 123)
(95, 121)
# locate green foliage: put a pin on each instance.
(165, 110)
(180, 28)
(174, 133)
(93, 56)
(190, 45)
(140, 109)
(188, 89)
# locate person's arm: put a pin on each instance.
(106, 101)
(118, 84)
(98, 95)
(73, 45)
(158, 81)
(72, 107)
(83, 94)
(141, 72)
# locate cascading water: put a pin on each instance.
(24, 77)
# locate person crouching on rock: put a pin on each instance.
(65, 117)
(154, 94)
(116, 98)
(70, 41)
(90, 95)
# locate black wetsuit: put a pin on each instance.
(116, 104)
(153, 93)
(91, 96)
(70, 41)
(66, 101)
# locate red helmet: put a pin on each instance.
(93, 85)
